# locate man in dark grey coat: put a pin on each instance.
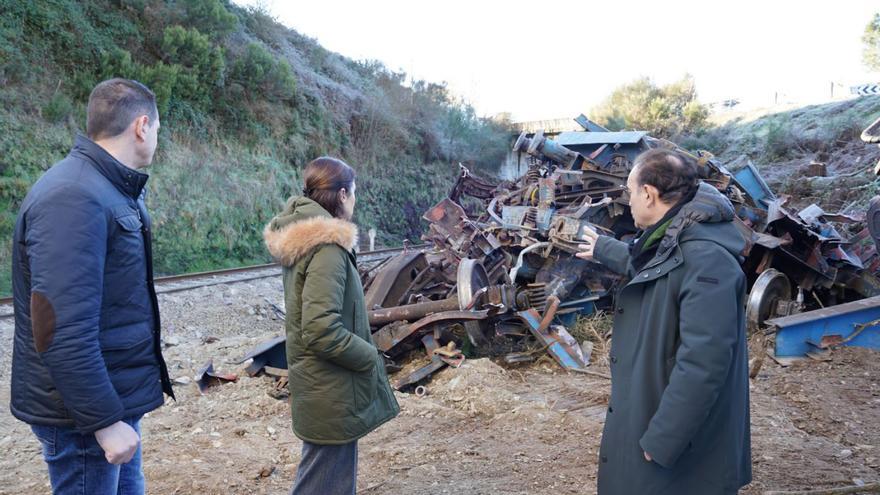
(678, 417)
(86, 362)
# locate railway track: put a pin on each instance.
(190, 281)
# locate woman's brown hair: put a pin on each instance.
(324, 177)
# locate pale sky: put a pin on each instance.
(543, 60)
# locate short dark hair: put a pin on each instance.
(324, 177)
(674, 174)
(114, 104)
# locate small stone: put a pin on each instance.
(845, 453)
(171, 340)
(197, 431)
(270, 430)
(182, 380)
(267, 471)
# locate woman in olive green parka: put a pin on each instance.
(338, 386)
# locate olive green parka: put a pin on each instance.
(338, 387)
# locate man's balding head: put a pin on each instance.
(674, 174)
(660, 178)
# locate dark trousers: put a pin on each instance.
(326, 470)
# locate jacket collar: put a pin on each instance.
(130, 182)
(290, 237)
(647, 245)
(707, 206)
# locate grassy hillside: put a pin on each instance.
(244, 102)
(782, 144)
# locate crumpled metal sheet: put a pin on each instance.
(207, 377)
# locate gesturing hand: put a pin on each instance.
(589, 237)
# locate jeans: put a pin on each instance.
(326, 470)
(77, 464)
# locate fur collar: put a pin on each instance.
(295, 240)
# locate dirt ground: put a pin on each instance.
(481, 429)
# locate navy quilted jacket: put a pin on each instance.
(86, 351)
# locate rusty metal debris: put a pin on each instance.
(516, 240)
(207, 377)
(500, 277)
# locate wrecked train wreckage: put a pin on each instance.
(501, 278)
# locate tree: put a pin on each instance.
(871, 41)
(663, 111)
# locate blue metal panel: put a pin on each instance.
(750, 180)
(564, 356)
(796, 335)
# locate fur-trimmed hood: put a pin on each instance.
(303, 226)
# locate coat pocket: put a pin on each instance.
(127, 346)
(125, 249)
(364, 385)
(129, 222)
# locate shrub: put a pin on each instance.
(780, 142)
(194, 51)
(261, 73)
(210, 16)
(58, 108)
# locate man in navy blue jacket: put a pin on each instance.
(87, 360)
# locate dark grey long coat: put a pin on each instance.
(679, 361)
